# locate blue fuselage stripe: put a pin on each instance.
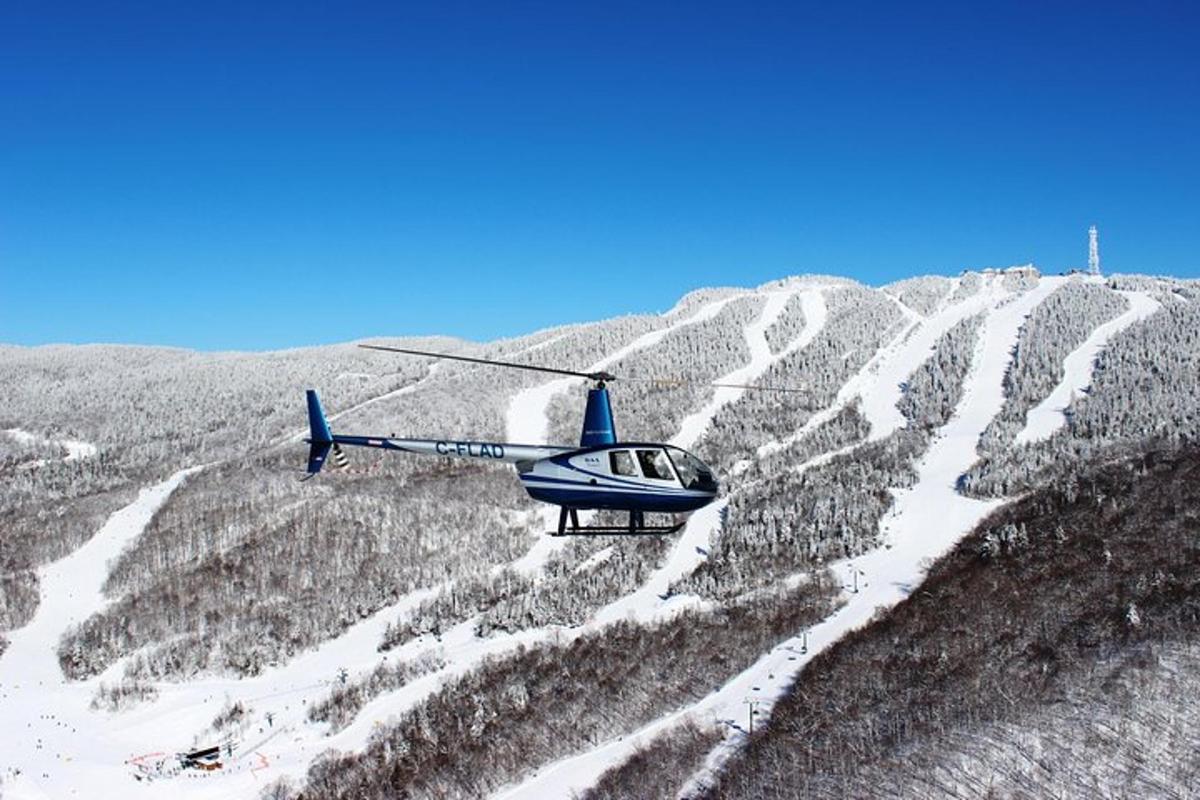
(625, 486)
(618, 500)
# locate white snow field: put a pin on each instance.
(59, 747)
(62, 748)
(75, 449)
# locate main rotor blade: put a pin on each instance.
(595, 376)
(670, 383)
(759, 388)
(663, 383)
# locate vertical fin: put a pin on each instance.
(320, 439)
(317, 426)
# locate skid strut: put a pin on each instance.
(562, 521)
(636, 526)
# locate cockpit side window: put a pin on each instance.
(621, 462)
(655, 464)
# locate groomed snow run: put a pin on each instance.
(1048, 416)
(37, 703)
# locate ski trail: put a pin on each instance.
(724, 707)
(770, 676)
(880, 394)
(70, 588)
(755, 333)
(33, 689)
(910, 313)
(652, 600)
(1048, 416)
(850, 390)
(816, 314)
(926, 520)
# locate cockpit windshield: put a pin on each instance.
(693, 473)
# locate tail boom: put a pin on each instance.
(486, 451)
(322, 441)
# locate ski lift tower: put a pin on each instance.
(1093, 251)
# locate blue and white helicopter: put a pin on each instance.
(601, 473)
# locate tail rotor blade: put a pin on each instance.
(339, 458)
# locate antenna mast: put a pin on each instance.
(1093, 251)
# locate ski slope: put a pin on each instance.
(49, 714)
(927, 519)
(923, 524)
(69, 750)
(1046, 417)
(647, 603)
(57, 761)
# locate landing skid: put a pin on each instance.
(636, 527)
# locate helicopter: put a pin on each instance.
(601, 473)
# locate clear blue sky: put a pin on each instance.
(218, 177)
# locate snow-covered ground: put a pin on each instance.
(75, 449)
(68, 750)
(59, 747)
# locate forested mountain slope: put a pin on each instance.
(341, 630)
(1051, 654)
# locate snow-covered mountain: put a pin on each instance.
(406, 628)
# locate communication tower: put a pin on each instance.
(1093, 251)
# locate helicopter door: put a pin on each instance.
(655, 464)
